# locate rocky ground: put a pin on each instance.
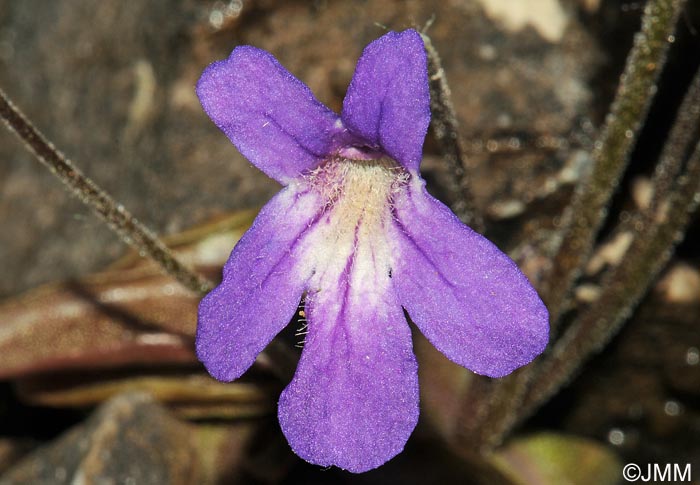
(111, 84)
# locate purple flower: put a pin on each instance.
(354, 233)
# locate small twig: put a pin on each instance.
(446, 130)
(119, 219)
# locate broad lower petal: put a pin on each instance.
(388, 101)
(261, 288)
(466, 296)
(353, 402)
(269, 115)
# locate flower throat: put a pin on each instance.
(358, 190)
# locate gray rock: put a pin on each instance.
(128, 440)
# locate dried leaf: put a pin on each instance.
(128, 315)
(191, 395)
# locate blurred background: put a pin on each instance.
(97, 374)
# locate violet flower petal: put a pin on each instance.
(353, 401)
(270, 116)
(466, 296)
(388, 101)
(261, 288)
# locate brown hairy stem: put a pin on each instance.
(446, 130)
(611, 150)
(660, 225)
(129, 229)
(499, 402)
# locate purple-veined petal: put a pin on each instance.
(261, 288)
(466, 296)
(388, 101)
(353, 401)
(269, 115)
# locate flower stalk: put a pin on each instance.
(129, 229)
(611, 151)
(446, 130)
(500, 403)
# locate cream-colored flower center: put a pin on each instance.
(358, 191)
(350, 237)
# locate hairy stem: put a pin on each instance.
(611, 151)
(503, 399)
(657, 230)
(678, 146)
(114, 214)
(446, 130)
(621, 291)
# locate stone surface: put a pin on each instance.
(112, 85)
(130, 439)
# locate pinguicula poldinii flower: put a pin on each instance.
(355, 234)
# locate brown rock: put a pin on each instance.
(112, 84)
(130, 439)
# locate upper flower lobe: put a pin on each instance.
(355, 232)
